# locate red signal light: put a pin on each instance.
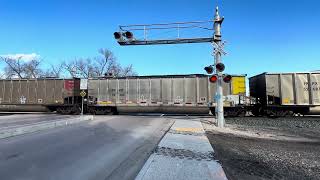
(220, 67)
(128, 35)
(213, 78)
(117, 35)
(227, 78)
(209, 69)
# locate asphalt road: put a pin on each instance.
(13, 120)
(109, 147)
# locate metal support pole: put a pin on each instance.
(217, 56)
(219, 99)
(82, 107)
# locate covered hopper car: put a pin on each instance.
(162, 94)
(282, 94)
(40, 95)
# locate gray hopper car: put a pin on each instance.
(280, 94)
(38, 94)
(162, 94)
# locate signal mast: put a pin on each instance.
(125, 37)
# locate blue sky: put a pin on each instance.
(262, 35)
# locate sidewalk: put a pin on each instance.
(183, 153)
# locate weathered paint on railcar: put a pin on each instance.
(158, 91)
(16, 94)
(289, 89)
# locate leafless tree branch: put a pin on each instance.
(79, 67)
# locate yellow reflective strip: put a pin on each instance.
(104, 102)
(188, 129)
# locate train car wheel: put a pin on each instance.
(59, 110)
(289, 114)
(272, 113)
(76, 110)
(231, 112)
(257, 111)
(241, 113)
(66, 110)
(97, 112)
(91, 110)
(114, 111)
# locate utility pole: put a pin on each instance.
(217, 57)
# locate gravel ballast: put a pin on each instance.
(263, 148)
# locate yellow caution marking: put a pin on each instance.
(188, 129)
(238, 85)
(83, 93)
(286, 100)
(104, 102)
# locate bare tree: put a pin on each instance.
(32, 69)
(85, 68)
(111, 65)
(70, 67)
(55, 70)
(97, 66)
(79, 67)
(128, 71)
(9, 73)
(2, 75)
(14, 67)
(17, 67)
(108, 58)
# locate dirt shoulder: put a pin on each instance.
(261, 148)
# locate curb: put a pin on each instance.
(41, 126)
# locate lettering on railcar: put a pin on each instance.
(121, 92)
(315, 86)
(113, 92)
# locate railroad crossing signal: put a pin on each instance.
(209, 69)
(227, 78)
(129, 35)
(83, 93)
(119, 36)
(219, 48)
(213, 78)
(220, 67)
(125, 37)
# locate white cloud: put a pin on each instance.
(24, 57)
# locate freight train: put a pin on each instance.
(271, 94)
